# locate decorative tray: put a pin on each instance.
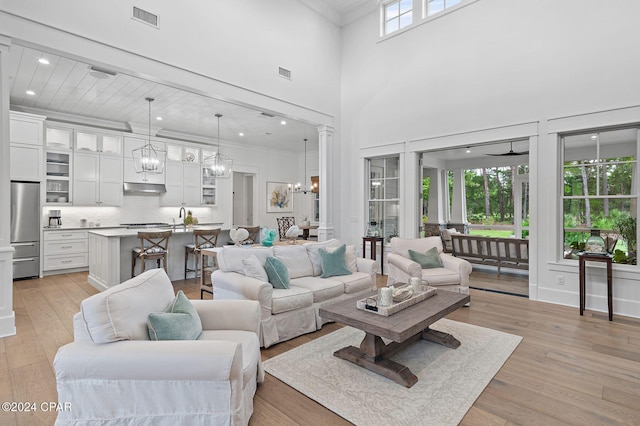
(397, 306)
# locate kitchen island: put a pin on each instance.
(110, 253)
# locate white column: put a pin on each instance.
(412, 184)
(7, 316)
(445, 195)
(437, 198)
(459, 201)
(327, 185)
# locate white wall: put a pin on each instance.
(496, 64)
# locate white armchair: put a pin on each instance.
(454, 275)
(113, 374)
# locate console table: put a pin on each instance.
(586, 257)
(373, 242)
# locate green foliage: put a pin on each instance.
(189, 220)
(625, 225)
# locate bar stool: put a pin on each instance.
(153, 246)
(254, 232)
(203, 238)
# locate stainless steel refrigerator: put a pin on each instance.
(25, 229)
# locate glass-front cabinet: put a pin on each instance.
(58, 137)
(208, 182)
(57, 177)
(98, 142)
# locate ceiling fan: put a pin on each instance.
(510, 153)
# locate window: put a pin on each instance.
(397, 15)
(384, 194)
(599, 174)
(435, 6)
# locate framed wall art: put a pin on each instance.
(279, 198)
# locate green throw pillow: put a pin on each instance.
(334, 263)
(277, 272)
(179, 321)
(428, 260)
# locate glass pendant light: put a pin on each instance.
(148, 159)
(218, 165)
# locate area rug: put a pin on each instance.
(449, 380)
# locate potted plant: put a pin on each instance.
(189, 221)
(305, 220)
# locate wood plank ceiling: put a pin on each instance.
(66, 86)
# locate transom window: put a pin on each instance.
(397, 15)
(435, 6)
(600, 192)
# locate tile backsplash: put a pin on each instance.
(135, 209)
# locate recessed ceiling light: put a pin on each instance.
(468, 151)
(43, 61)
(594, 137)
(30, 92)
(240, 134)
(283, 122)
(159, 118)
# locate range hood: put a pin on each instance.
(144, 188)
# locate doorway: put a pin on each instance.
(243, 195)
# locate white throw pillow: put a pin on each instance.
(252, 267)
(230, 258)
(295, 259)
(121, 312)
(313, 250)
(350, 257)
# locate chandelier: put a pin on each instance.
(148, 159)
(218, 165)
(297, 188)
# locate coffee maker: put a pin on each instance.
(55, 218)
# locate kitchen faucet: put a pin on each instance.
(182, 210)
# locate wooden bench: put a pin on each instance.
(500, 252)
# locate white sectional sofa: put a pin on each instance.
(288, 313)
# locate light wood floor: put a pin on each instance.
(567, 370)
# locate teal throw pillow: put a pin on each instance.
(179, 321)
(334, 263)
(277, 272)
(428, 260)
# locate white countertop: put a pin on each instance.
(124, 232)
(75, 228)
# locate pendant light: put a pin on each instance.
(148, 159)
(297, 188)
(218, 165)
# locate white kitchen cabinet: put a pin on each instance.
(97, 180)
(26, 162)
(89, 140)
(26, 146)
(58, 136)
(130, 174)
(182, 176)
(65, 250)
(58, 177)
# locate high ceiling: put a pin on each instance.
(65, 87)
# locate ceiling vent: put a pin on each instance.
(284, 73)
(146, 17)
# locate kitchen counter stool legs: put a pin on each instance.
(202, 238)
(153, 246)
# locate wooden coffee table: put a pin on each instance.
(403, 328)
